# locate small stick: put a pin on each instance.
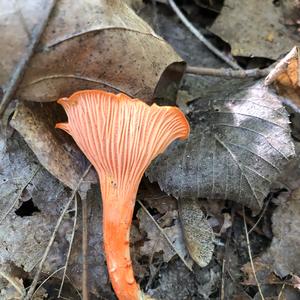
(44, 281)
(70, 248)
(21, 66)
(228, 73)
(164, 234)
(201, 37)
(250, 256)
(281, 291)
(19, 288)
(260, 217)
(85, 290)
(41, 264)
(223, 280)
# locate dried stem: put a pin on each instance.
(19, 288)
(201, 37)
(40, 267)
(228, 73)
(261, 215)
(21, 66)
(85, 290)
(250, 256)
(70, 248)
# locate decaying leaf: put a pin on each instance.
(238, 24)
(263, 271)
(35, 122)
(156, 242)
(285, 246)
(86, 45)
(286, 75)
(238, 145)
(198, 234)
(14, 179)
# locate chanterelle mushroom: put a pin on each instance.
(120, 136)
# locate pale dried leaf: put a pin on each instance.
(239, 143)
(198, 234)
(238, 25)
(35, 122)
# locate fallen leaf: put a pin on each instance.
(62, 158)
(285, 74)
(86, 45)
(238, 25)
(263, 272)
(285, 247)
(239, 143)
(18, 168)
(156, 242)
(198, 234)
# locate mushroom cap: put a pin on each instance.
(120, 135)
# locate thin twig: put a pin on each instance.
(281, 291)
(45, 280)
(20, 289)
(250, 256)
(260, 217)
(21, 66)
(85, 290)
(228, 73)
(20, 193)
(40, 267)
(70, 248)
(201, 37)
(223, 281)
(164, 234)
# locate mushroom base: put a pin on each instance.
(118, 206)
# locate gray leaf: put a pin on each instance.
(238, 145)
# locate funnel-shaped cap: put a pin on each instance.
(119, 135)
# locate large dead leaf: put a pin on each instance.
(254, 34)
(86, 45)
(239, 142)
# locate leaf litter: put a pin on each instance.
(48, 195)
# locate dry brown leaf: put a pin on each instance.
(263, 270)
(156, 242)
(86, 45)
(35, 122)
(254, 34)
(286, 75)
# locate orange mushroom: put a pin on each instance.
(120, 136)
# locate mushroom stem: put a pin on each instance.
(118, 206)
